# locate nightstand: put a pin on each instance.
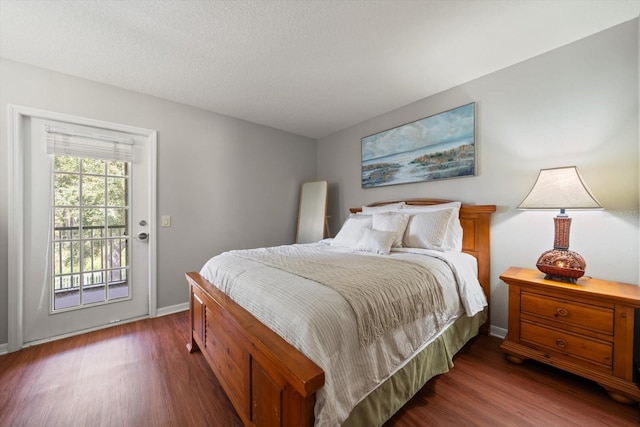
(584, 328)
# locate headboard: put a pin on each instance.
(476, 238)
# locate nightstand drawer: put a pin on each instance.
(596, 351)
(568, 312)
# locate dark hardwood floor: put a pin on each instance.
(140, 374)
(135, 374)
(484, 389)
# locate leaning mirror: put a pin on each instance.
(312, 212)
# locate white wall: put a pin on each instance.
(577, 105)
(226, 183)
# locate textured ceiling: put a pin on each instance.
(307, 67)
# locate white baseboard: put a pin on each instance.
(172, 309)
(495, 331)
(4, 348)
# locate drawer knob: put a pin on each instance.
(561, 312)
(561, 343)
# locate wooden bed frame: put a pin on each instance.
(268, 381)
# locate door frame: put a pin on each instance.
(16, 121)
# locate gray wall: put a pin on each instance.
(229, 184)
(577, 105)
(226, 183)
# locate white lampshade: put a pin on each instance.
(559, 188)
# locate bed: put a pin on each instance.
(273, 373)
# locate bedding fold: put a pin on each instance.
(384, 293)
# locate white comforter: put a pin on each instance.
(320, 323)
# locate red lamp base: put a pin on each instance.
(561, 265)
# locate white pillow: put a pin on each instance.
(352, 230)
(383, 208)
(375, 241)
(453, 238)
(427, 230)
(391, 221)
(430, 208)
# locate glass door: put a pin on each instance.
(85, 264)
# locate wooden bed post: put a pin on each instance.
(192, 345)
(268, 381)
(476, 223)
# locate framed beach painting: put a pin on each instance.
(438, 147)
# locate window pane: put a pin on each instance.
(93, 259)
(118, 275)
(67, 282)
(95, 166)
(94, 294)
(117, 191)
(66, 164)
(66, 189)
(118, 290)
(93, 278)
(93, 190)
(117, 253)
(57, 283)
(117, 221)
(58, 255)
(66, 299)
(70, 252)
(93, 223)
(65, 223)
(117, 168)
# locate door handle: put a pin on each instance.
(143, 236)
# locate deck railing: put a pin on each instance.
(106, 264)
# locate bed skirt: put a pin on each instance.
(435, 359)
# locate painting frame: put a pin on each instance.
(433, 148)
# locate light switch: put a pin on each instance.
(165, 220)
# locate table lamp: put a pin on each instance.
(560, 188)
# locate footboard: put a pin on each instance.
(268, 381)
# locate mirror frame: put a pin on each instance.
(312, 212)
